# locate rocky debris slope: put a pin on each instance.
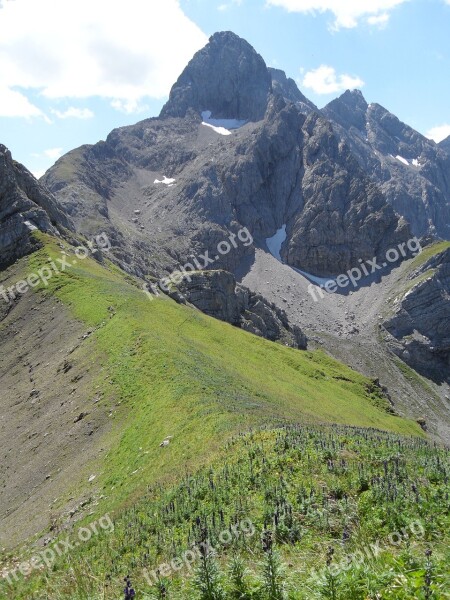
(420, 326)
(217, 294)
(413, 171)
(227, 78)
(25, 206)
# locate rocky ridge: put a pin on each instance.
(419, 328)
(25, 206)
(217, 294)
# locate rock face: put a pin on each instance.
(217, 294)
(412, 171)
(421, 323)
(25, 206)
(172, 188)
(445, 144)
(287, 89)
(227, 77)
(345, 216)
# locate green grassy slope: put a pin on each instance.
(374, 502)
(168, 370)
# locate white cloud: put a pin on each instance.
(347, 13)
(380, 20)
(16, 104)
(324, 80)
(440, 132)
(38, 172)
(230, 4)
(107, 48)
(129, 106)
(53, 153)
(73, 113)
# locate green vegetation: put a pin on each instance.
(168, 370)
(335, 512)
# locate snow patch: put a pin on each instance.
(275, 242)
(165, 181)
(30, 225)
(320, 281)
(402, 160)
(220, 130)
(416, 162)
(221, 126)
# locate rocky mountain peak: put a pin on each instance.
(445, 144)
(349, 110)
(287, 88)
(227, 77)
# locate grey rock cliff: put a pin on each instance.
(217, 294)
(227, 77)
(25, 206)
(412, 171)
(287, 89)
(420, 327)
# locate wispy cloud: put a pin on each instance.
(73, 113)
(325, 80)
(138, 52)
(441, 132)
(53, 153)
(227, 5)
(347, 13)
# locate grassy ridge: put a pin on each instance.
(166, 369)
(315, 488)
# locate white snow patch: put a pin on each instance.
(416, 162)
(222, 126)
(275, 242)
(402, 160)
(30, 226)
(220, 130)
(320, 281)
(166, 181)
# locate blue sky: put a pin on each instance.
(71, 71)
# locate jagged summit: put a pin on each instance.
(349, 109)
(287, 88)
(227, 77)
(445, 144)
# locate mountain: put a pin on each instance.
(445, 144)
(172, 189)
(412, 171)
(238, 89)
(25, 205)
(287, 88)
(262, 345)
(279, 167)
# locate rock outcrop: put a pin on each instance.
(217, 294)
(287, 89)
(412, 171)
(25, 206)
(420, 327)
(227, 77)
